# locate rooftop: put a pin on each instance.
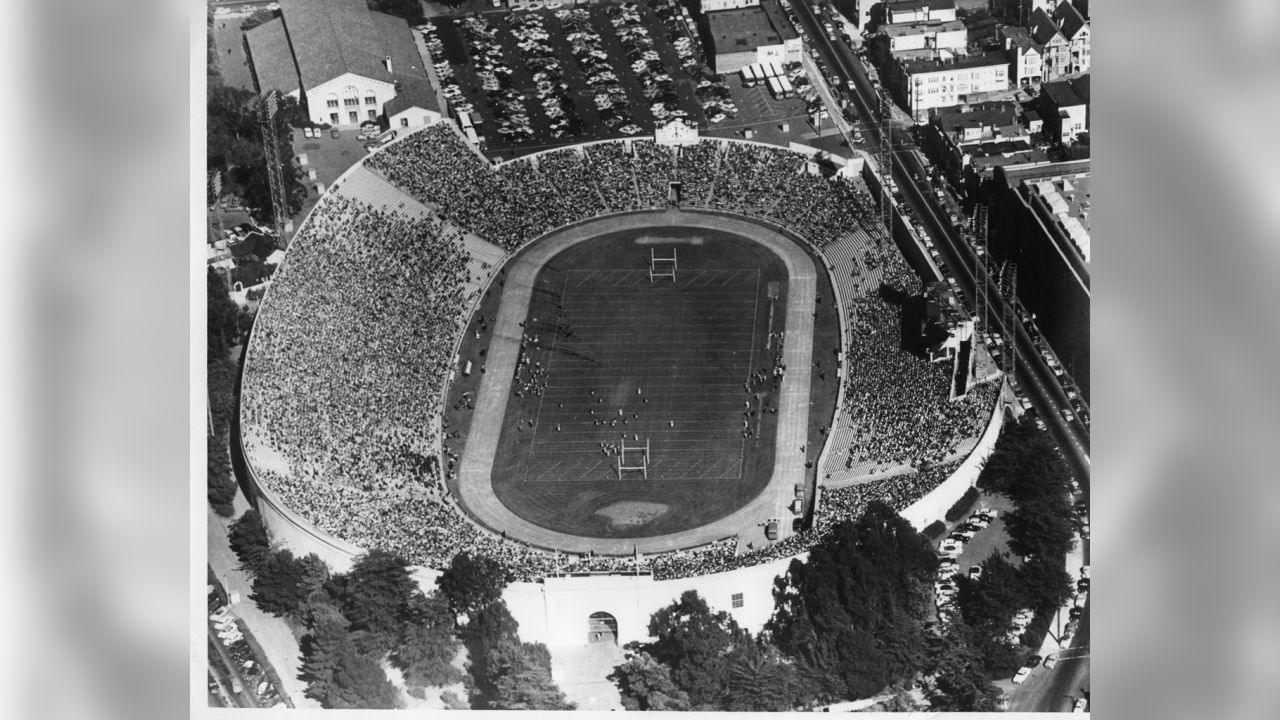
(922, 27)
(331, 38)
(749, 28)
(917, 66)
(272, 59)
(909, 5)
(1001, 116)
(1067, 202)
(1061, 93)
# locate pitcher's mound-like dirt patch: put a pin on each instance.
(632, 513)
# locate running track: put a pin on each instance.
(476, 468)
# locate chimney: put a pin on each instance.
(387, 61)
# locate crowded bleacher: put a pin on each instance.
(344, 387)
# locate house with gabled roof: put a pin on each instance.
(344, 62)
(1065, 38)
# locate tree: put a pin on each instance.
(220, 489)
(249, 541)
(337, 675)
(992, 600)
(760, 680)
(426, 650)
(1041, 526)
(694, 641)
(646, 684)
(221, 312)
(958, 683)
(469, 584)
(520, 675)
(488, 627)
(278, 588)
(378, 595)
(852, 616)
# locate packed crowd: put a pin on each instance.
(436, 167)
(899, 402)
(327, 397)
(367, 310)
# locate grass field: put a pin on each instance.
(607, 353)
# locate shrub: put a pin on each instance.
(935, 530)
(962, 505)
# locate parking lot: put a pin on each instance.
(552, 77)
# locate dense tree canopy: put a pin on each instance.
(508, 674)
(646, 684)
(337, 675)
(851, 617)
(520, 677)
(695, 642)
(429, 644)
(249, 540)
(379, 597)
(233, 142)
(958, 682)
(471, 583)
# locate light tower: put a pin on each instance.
(886, 164)
(979, 228)
(267, 107)
(1009, 289)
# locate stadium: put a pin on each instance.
(623, 369)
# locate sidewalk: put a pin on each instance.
(273, 635)
(1052, 643)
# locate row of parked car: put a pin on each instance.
(656, 83)
(950, 548)
(247, 665)
(588, 50)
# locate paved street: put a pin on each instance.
(272, 634)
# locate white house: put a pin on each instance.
(948, 81)
(344, 62)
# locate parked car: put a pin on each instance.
(1050, 661)
(1081, 705)
(1033, 661)
(334, 133)
(1021, 675)
(975, 572)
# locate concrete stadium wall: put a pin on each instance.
(935, 505)
(555, 612)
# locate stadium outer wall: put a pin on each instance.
(554, 611)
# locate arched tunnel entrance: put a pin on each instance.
(602, 627)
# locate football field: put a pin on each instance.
(685, 368)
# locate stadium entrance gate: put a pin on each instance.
(602, 627)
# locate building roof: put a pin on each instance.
(272, 58)
(922, 66)
(1081, 87)
(910, 5)
(1061, 94)
(746, 29)
(331, 38)
(996, 115)
(1043, 28)
(922, 27)
(1068, 19)
(416, 94)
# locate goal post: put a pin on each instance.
(660, 267)
(634, 458)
